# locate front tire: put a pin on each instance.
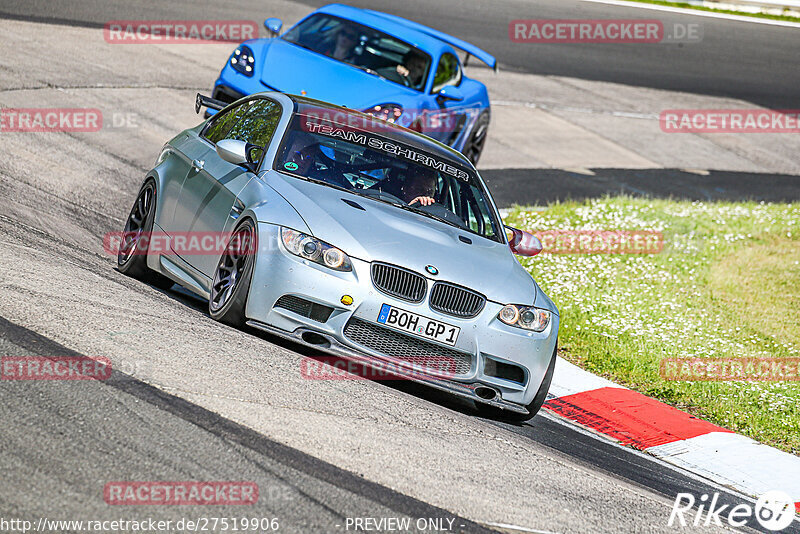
(133, 251)
(228, 296)
(492, 412)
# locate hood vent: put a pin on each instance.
(354, 204)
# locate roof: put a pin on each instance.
(412, 32)
(347, 117)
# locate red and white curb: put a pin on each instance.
(707, 450)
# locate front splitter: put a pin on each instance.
(336, 348)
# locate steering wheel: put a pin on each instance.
(441, 212)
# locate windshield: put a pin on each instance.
(372, 166)
(363, 47)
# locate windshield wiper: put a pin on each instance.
(399, 203)
(431, 215)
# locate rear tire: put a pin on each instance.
(133, 251)
(492, 412)
(228, 296)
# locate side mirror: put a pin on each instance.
(450, 92)
(233, 151)
(523, 243)
(273, 26)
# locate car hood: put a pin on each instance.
(382, 232)
(292, 69)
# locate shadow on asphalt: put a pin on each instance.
(537, 187)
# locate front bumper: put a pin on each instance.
(483, 339)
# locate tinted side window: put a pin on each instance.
(222, 123)
(447, 73)
(253, 122)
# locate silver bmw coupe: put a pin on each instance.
(368, 241)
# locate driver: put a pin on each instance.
(413, 68)
(419, 188)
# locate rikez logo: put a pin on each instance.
(774, 511)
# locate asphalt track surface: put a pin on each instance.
(753, 62)
(144, 433)
(62, 441)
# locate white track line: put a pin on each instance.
(518, 528)
(697, 13)
(736, 461)
(570, 379)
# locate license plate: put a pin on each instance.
(417, 324)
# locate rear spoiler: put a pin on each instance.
(470, 49)
(207, 102)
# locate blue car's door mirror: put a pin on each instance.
(273, 26)
(450, 92)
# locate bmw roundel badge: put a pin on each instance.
(432, 270)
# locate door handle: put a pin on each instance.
(198, 164)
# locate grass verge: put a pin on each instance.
(684, 5)
(726, 284)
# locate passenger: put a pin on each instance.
(343, 46)
(306, 154)
(302, 153)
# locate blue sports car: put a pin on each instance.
(386, 66)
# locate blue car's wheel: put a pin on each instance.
(477, 138)
(231, 283)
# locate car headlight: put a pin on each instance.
(525, 317)
(387, 112)
(243, 60)
(312, 249)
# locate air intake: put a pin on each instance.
(456, 300)
(398, 282)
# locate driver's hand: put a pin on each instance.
(403, 71)
(425, 201)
